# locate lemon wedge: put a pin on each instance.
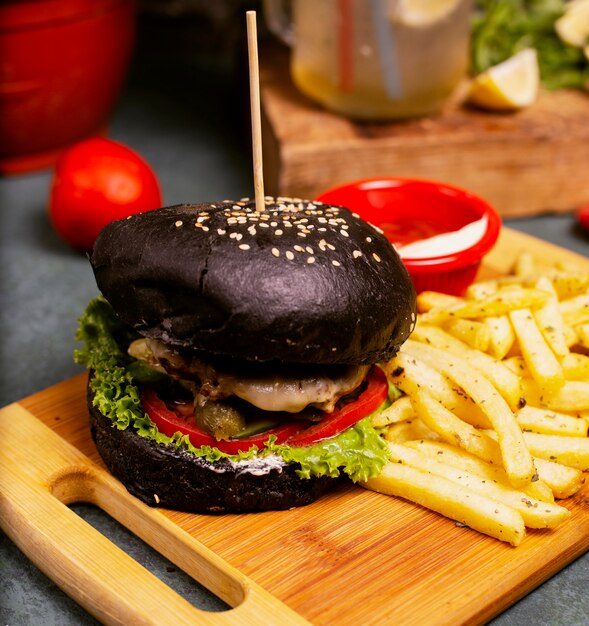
(419, 13)
(573, 26)
(507, 86)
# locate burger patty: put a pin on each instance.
(270, 387)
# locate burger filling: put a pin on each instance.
(319, 417)
(289, 388)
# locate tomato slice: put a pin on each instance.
(346, 416)
(168, 422)
(293, 432)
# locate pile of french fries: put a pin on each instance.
(491, 427)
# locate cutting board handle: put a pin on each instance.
(41, 474)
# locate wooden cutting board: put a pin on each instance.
(542, 150)
(352, 557)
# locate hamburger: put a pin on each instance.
(233, 352)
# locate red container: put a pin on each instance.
(62, 69)
(408, 210)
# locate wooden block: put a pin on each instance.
(524, 163)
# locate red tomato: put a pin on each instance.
(294, 432)
(583, 216)
(97, 181)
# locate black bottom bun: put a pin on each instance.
(162, 475)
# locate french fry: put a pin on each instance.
(563, 481)
(401, 410)
(550, 321)
(476, 335)
(576, 366)
(453, 430)
(499, 303)
(543, 421)
(535, 513)
(569, 284)
(506, 382)
(543, 365)
(461, 459)
(582, 335)
(571, 451)
(501, 335)
(479, 291)
(443, 496)
(525, 264)
(518, 366)
(407, 431)
(573, 396)
(575, 311)
(517, 459)
(571, 335)
(427, 300)
(411, 374)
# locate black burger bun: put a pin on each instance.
(300, 281)
(166, 476)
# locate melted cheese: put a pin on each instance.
(283, 393)
(287, 388)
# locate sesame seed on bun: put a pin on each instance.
(301, 281)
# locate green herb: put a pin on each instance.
(501, 29)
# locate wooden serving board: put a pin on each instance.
(352, 557)
(542, 150)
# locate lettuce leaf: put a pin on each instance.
(359, 452)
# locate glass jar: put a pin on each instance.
(375, 59)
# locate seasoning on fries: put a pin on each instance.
(491, 427)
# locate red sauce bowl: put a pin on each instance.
(63, 66)
(408, 210)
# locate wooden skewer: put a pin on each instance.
(254, 75)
